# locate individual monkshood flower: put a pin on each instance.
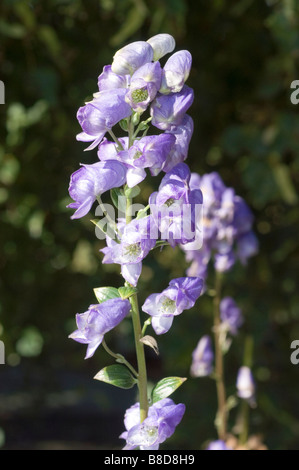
(182, 134)
(99, 115)
(161, 422)
(176, 72)
(246, 385)
(109, 80)
(148, 152)
(162, 44)
(144, 86)
(97, 321)
(202, 358)
(230, 315)
(176, 209)
(180, 295)
(90, 181)
(169, 110)
(136, 241)
(218, 445)
(131, 57)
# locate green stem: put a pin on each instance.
(247, 361)
(145, 325)
(116, 140)
(142, 373)
(110, 220)
(119, 358)
(131, 128)
(221, 420)
(244, 422)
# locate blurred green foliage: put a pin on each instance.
(245, 56)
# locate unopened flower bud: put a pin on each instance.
(162, 44)
(128, 59)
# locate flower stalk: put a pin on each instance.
(221, 419)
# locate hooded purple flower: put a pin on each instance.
(230, 314)
(163, 417)
(180, 295)
(169, 110)
(246, 385)
(218, 445)
(247, 246)
(131, 57)
(162, 44)
(182, 134)
(202, 358)
(93, 180)
(149, 152)
(109, 80)
(136, 241)
(99, 115)
(176, 209)
(97, 321)
(144, 86)
(175, 72)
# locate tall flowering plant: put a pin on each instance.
(208, 221)
(134, 92)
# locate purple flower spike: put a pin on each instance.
(162, 44)
(93, 180)
(218, 445)
(226, 226)
(246, 385)
(163, 417)
(97, 321)
(202, 358)
(176, 71)
(231, 315)
(169, 110)
(101, 114)
(181, 295)
(128, 59)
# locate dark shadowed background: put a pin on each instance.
(245, 56)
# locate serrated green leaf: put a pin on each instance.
(126, 292)
(116, 375)
(106, 293)
(166, 387)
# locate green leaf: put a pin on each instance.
(126, 292)
(119, 199)
(166, 387)
(116, 375)
(106, 293)
(124, 124)
(132, 192)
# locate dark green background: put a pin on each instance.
(245, 56)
